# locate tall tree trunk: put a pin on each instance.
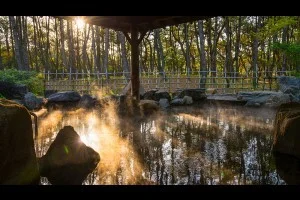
(84, 51)
(41, 44)
(145, 57)
(78, 66)
(24, 43)
(237, 47)
(125, 65)
(284, 41)
(209, 43)
(71, 48)
(202, 56)
(56, 44)
(106, 43)
(62, 46)
(255, 52)
(47, 53)
(17, 49)
(159, 52)
(187, 55)
(177, 39)
(151, 55)
(37, 67)
(7, 41)
(12, 43)
(98, 48)
(214, 48)
(173, 51)
(214, 52)
(31, 61)
(96, 69)
(228, 59)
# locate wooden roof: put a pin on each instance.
(143, 23)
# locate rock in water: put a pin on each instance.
(187, 100)
(148, 107)
(150, 95)
(177, 102)
(264, 98)
(196, 94)
(32, 102)
(164, 103)
(286, 130)
(18, 163)
(68, 160)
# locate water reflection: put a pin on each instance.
(190, 145)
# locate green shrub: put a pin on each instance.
(1, 96)
(295, 73)
(32, 79)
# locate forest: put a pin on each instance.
(232, 45)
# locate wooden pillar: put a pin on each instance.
(134, 42)
(135, 79)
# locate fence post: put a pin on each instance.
(115, 87)
(70, 73)
(148, 79)
(199, 78)
(177, 81)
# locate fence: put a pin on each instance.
(89, 83)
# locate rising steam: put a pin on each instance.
(99, 129)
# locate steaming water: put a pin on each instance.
(189, 145)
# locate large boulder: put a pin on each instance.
(13, 91)
(150, 95)
(291, 86)
(177, 102)
(87, 101)
(263, 98)
(68, 160)
(156, 95)
(148, 107)
(161, 95)
(211, 91)
(63, 100)
(286, 130)
(68, 96)
(32, 102)
(49, 92)
(18, 163)
(196, 94)
(164, 103)
(187, 100)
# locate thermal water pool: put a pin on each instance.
(187, 145)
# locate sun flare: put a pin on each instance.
(80, 23)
